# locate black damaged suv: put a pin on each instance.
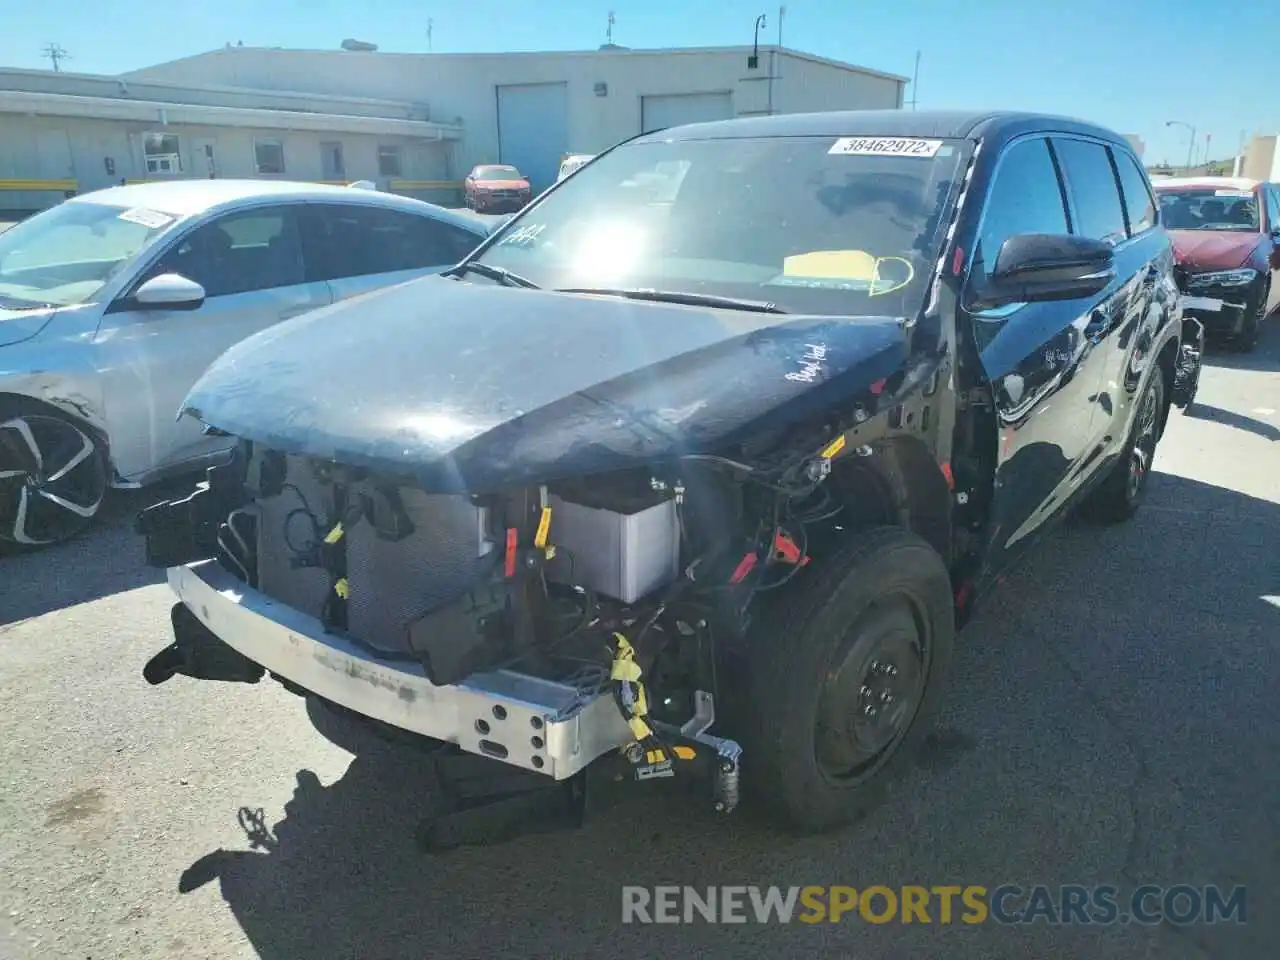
(700, 462)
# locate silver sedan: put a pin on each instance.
(113, 303)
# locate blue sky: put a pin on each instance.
(1128, 64)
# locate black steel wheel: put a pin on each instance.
(872, 690)
(844, 675)
(53, 478)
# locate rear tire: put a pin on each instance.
(845, 674)
(53, 476)
(1121, 494)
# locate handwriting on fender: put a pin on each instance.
(810, 363)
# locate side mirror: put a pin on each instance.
(169, 291)
(1036, 267)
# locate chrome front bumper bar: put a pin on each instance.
(527, 722)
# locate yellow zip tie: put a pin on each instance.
(342, 588)
(834, 447)
(641, 706)
(335, 534)
(544, 527)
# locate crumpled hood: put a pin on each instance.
(1213, 249)
(19, 325)
(474, 386)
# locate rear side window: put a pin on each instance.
(1025, 198)
(1272, 194)
(346, 240)
(1092, 184)
(1138, 201)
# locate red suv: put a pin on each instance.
(494, 188)
(1226, 237)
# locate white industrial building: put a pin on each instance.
(1260, 159)
(413, 122)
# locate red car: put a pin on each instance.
(493, 188)
(1226, 238)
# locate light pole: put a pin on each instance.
(1190, 146)
(754, 60)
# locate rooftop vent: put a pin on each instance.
(359, 45)
(613, 46)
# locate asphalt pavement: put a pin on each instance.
(1111, 720)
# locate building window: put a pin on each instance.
(161, 153)
(389, 162)
(269, 155)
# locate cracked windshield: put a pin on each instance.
(731, 480)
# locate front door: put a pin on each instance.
(250, 264)
(1039, 357)
(204, 158)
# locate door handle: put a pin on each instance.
(295, 312)
(1099, 324)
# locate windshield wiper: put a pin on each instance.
(502, 275)
(677, 296)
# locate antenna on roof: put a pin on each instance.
(55, 54)
(430, 24)
(608, 33)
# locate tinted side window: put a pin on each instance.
(1138, 201)
(1092, 184)
(254, 250)
(1025, 198)
(456, 243)
(1272, 192)
(352, 241)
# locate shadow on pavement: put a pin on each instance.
(1111, 719)
(1203, 411)
(105, 559)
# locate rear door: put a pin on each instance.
(250, 265)
(357, 248)
(1040, 357)
(1144, 264)
(1120, 325)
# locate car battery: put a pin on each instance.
(624, 548)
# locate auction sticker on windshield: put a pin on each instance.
(886, 146)
(148, 218)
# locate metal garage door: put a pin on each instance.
(533, 129)
(675, 109)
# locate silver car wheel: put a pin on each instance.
(53, 479)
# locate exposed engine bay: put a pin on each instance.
(637, 585)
